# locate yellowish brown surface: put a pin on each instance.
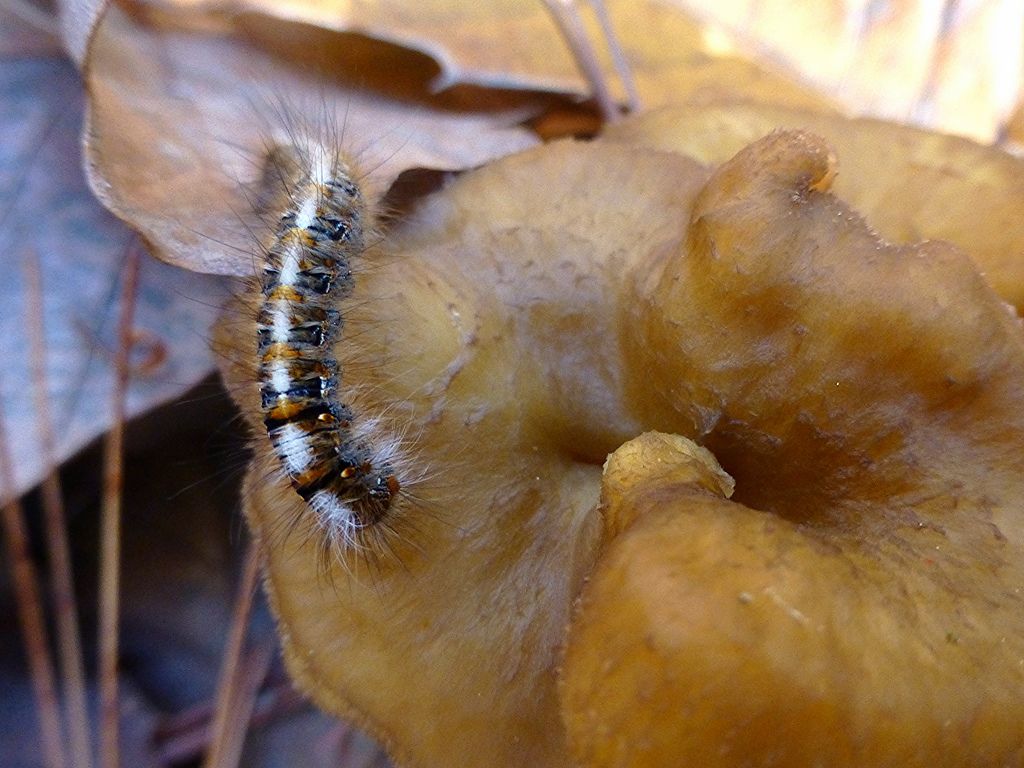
(489, 334)
(858, 601)
(909, 184)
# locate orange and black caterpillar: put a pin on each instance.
(346, 477)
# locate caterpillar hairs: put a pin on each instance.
(339, 463)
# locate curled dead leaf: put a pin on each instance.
(179, 122)
(78, 254)
(515, 44)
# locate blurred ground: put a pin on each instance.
(183, 540)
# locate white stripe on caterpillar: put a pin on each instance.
(343, 467)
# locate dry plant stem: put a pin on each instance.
(110, 531)
(26, 587)
(618, 55)
(344, 743)
(567, 18)
(253, 672)
(61, 581)
(227, 686)
(185, 736)
(30, 613)
(919, 110)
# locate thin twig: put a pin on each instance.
(337, 743)
(186, 736)
(619, 59)
(570, 24)
(924, 104)
(344, 738)
(254, 672)
(61, 580)
(230, 666)
(30, 613)
(110, 532)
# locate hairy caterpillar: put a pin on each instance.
(336, 462)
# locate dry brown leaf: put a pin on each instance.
(51, 215)
(954, 67)
(179, 122)
(910, 184)
(516, 44)
(180, 116)
(78, 22)
(858, 602)
(528, 322)
(496, 44)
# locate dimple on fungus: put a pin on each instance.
(781, 593)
